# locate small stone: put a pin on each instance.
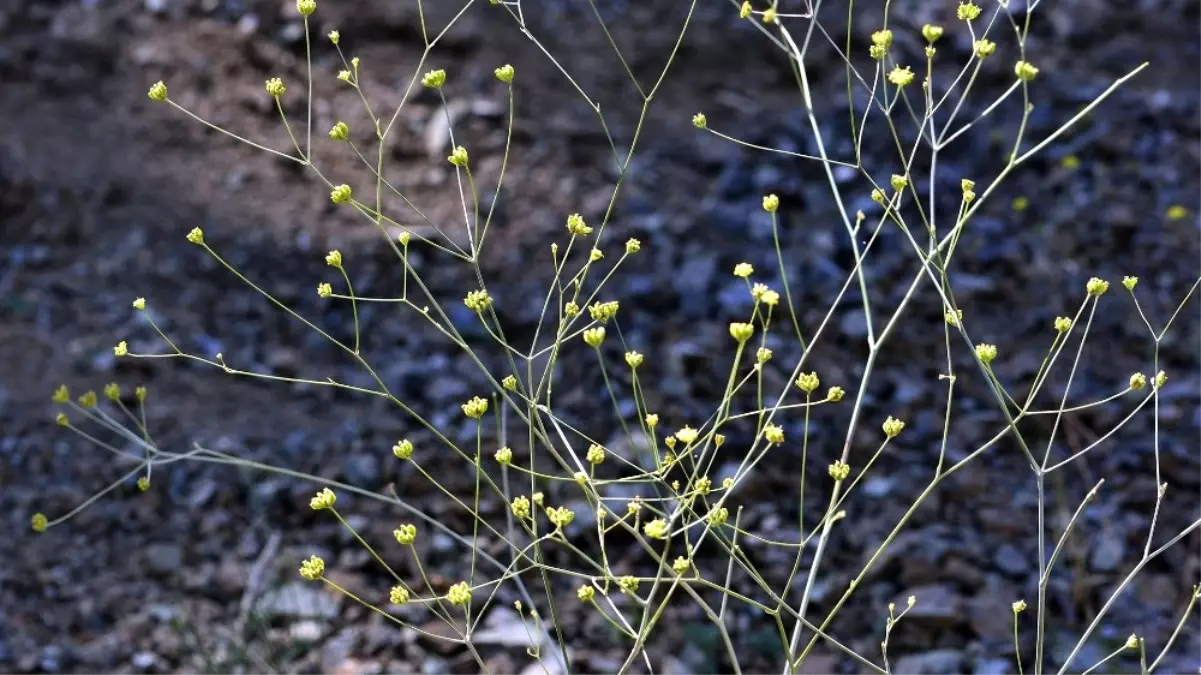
(1010, 560)
(936, 604)
(144, 660)
(164, 559)
(1109, 549)
(936, 662)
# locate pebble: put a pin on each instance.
(164, 558)
(1109, 548)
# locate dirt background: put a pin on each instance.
(98, 187)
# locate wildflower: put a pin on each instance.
(1176, 212)
(769, 15)
(504, 73)
(434, 79)
(652, 420)
(763, 355)
(744, 10)
(143, 483)
(458, 156)
(560, 516)
(758, 291)
(1161, 378)
(139, 303)
(771, 203)
(633, 246)
(88, 399)
(459, 594)
(595, 254)
(504, 455)
(931, 33)
(719, 440)
(306, 7)
(196, 236)
(603, 311)
(576, 225)
(38, 522)
(341, 194)
(594, 336)
(882, 38)
(121, 349)
(158, 92)
(509, 383)
(634, 506)
(520, 507)
(911, 601)
(313, 568)
(628, 584)
(835, 394)
(877, 52)
(742, 331)
(112, 391)
(1096, 286)
(334, 259)
(478, 301)
(900, 76)
(655, 529)
(893, 426)
(839, 470)
(405, 534)
(61, 395)
(898, 182)
(1025, 70)
(1130, 282)
(984, 48)
(324, 500)
(571, 309)
(62, 420)
(1062, 324)
(680, 565)
(1132, 642)
(586, 593)
(687, 435)
(719, 516)
(633, 359)
(403, 449)
(339, 132)
(967, 11)
(774, 434)
(324, 290)
(808, 382)
(334, 36)
(344, 75)
(595, 454)
(399, 595)
(1019, 606)
(770, 298)
(275, 87)
(703, 485)
(475, 408)
(878, 196)
(140, 394)
(1138, 381)
(699, 121)
(986, 352)
(743, 270)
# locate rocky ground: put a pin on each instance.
(98, 188)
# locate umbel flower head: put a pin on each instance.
(1138, 381)
(593, 337)
(275, 87)
(839, 470)
(633, 246)
(196, 236)
(478, 301)
(900, 76)
(986, 352)
(1019, 606)
(475, 408)
(984, 48)
(504, 73)
(1062, 324)
(576, 225)
(742, 331)
(341, 194)
(892, 427)
(459, 594)
(399, 595)
(158, 92)
(509, 383)
(771, 203)
(323, 500)
(313, 568)
(434, 79)
(306, 7)
(334, 36)
(931, 33)
(1025, 70)
(774, 434)
(405, 534)
(633, 359)
(744, 270)
(403, 449)
(655, 529)
(38, 522)
(596, 454)
(700, 121)
(687, 435)
(504, 455)
(1096, 286)
(835, 394)
(458, 156)
(967, 11)
(808, 382)
(339, 132)
(334, 259)
(603, 311)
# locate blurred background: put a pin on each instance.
(98, 187)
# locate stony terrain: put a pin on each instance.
(98, 188)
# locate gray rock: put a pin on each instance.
(299, 600)
(1108, 551)
(164, 558)
(936, 604)
(937, 662)
(1010, 560)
